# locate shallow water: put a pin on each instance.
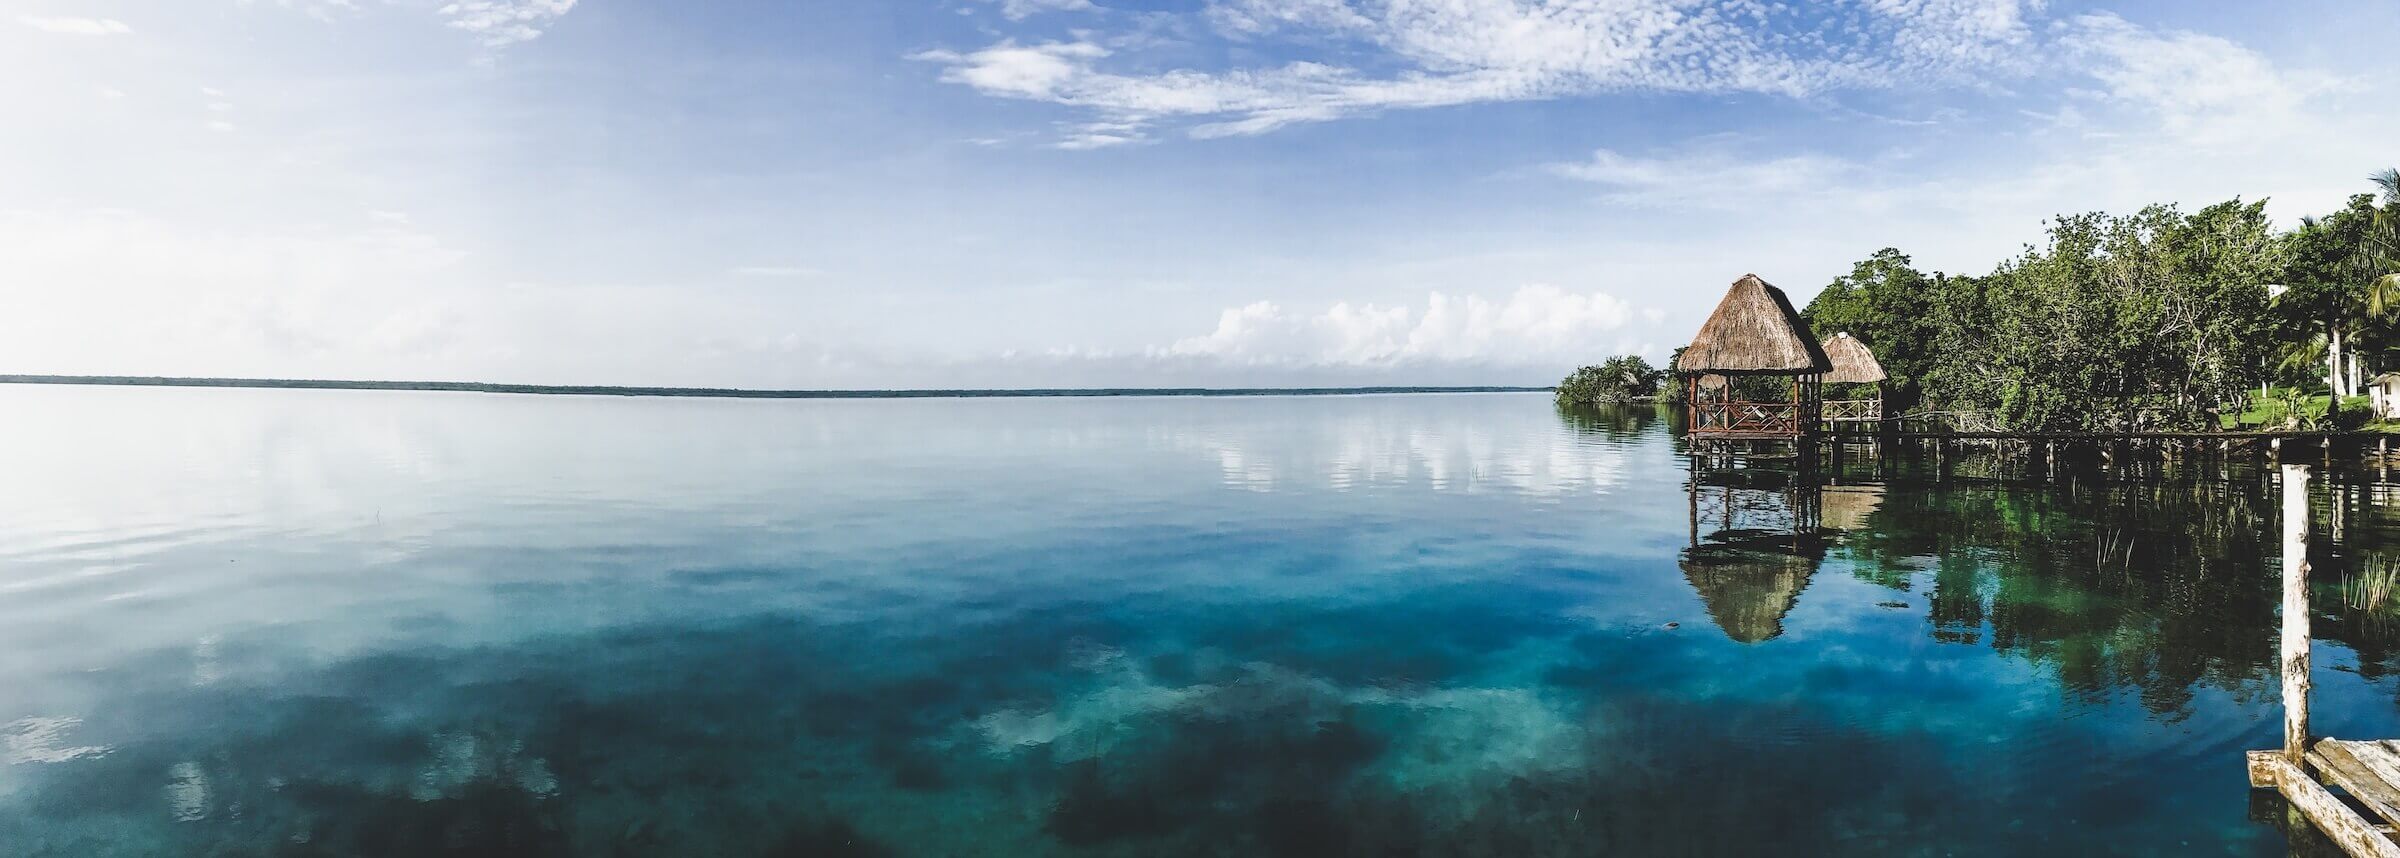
(313, 622)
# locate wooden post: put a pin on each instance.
(1692, 496)
(2295, 614)
(1691, 401)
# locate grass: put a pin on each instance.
(2274, 410)
(2373, 587)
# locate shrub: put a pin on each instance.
(1623, 378)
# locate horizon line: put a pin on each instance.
(732, 392)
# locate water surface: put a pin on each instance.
(388, 623)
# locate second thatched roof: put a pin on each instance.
(1754, 331)
(1853, 362)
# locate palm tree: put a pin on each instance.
(2377, 261)
(2380, 257)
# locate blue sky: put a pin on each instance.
(1084, 192)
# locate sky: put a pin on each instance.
(1070, 193)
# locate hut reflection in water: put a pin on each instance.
(1757, 538)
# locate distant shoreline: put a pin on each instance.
(726, 392)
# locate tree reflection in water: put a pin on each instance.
(2155, 577)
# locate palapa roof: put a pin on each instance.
(1754, 331)
(1853, 362)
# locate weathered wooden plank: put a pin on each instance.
(2370, 770)
(2347, 765)
(2262, 767)
(2341, 824)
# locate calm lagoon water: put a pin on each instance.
(329, 623)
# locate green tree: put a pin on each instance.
(2145, 320)
(2343, 282)
(2322, 296)
(1672, 389)
(1621, 379)
(2378, 259)
(1886, 303)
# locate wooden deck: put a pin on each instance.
(2234, 435)
(2367, 771)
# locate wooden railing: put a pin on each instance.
(1949, 421)
(1853, 410)
(1761, 418)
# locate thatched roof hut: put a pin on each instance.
(1747, 591)
(1853, 362)
(1754, 331)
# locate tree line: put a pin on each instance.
(2159, 319)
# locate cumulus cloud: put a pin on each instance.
(76, 26)
(1468, 51)
(506, 22)
(1536, 324)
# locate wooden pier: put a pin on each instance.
(2306, 770)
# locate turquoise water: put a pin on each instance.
(332, 622)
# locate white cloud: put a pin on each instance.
(322, 10)
(1096, 135)
(1467, 51)
(506, 22)
(76, 26)
(1536, 324)
(498, 23)
(1709, 179)
(2204, 88)
(152, 295)
(1018, 10)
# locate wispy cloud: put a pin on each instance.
(506, 22)
(1468, 51)
(1708, 179)
(71, 26)
(1535, 324)
(2203, 88)
(1018, 10)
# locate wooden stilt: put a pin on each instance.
(2295, 614)
(1692, 497)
